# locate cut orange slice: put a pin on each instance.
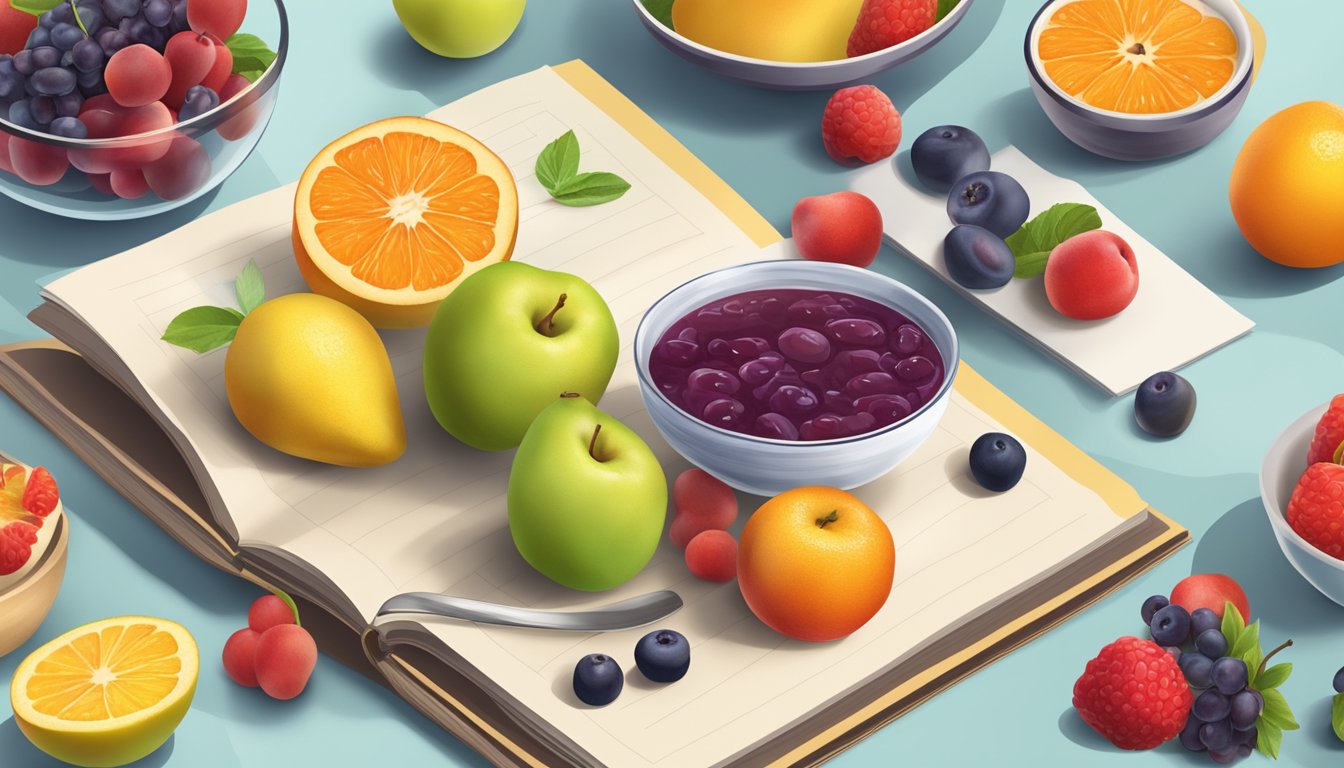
(107, 693)
(392, 216)
(1138, 56)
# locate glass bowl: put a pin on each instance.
(765, 466)
(182, 162)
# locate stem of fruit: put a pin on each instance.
(1265, 661)
(78, 20)
(831, 518)
(592, 443)
(547, 325)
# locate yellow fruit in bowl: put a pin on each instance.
(107, 693)
(1287, 189)
(393, 216)
(774, 30)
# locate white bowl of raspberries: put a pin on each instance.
(119, 109)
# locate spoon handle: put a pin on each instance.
(626, 614)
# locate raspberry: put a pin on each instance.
(1134, 694)
(1329, 434)
(16, 546)
(884, 23)
(712, 556)
(860, 125)
(703, 502)
(1316, 510)
(41, 495)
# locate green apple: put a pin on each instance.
(460, 29)
(506, 343)
(587, 497)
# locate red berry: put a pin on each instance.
(219, 73)
(240, 652)
(268, 611)
(182, 170)
(117, 121)
(1213, 591)
(712, 556)
(128, 183)
(137, 75)
(843, 227)
(5, 164)
(286, 655)
(860, 126)
(1316, 509)
(16, 546)
(1329, 434)
(191, 57)
(40, 495)
(101, 182)
(1134, 694)
(884, 23)
(703, 502)
(38, 164)
(241, 124)
(220, 18)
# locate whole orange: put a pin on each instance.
(1287, 187)
(815, 563)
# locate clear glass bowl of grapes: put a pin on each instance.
(121, 109)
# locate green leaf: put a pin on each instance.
(1233, 624)
(283, 595)
(251, 55)
(35, 7)
(1042, 234)
(202, 329)
(1248, 640)
(1268, 739)
(1273, 677)
(250, 287)
(1337, 715)
(591, 189)
(1277, 712)
(944, 7)
(558, 162)
(662, 10)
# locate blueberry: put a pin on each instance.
(598, 680)
(1211, 643)
(944, 154)
(1170, 626)
(1151, 606)
(1339, 681)
(1229, 675)
(1202, 620)
(997, 461)
(1164, 404)
(663, 656)
(991, 200)
(977, 258)
(1196, 667)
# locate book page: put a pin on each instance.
(1155, 333)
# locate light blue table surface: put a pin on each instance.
(351, 63)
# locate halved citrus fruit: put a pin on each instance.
(392, 216)
(107, 693)
(1138, 56)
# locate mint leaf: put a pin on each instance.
(1032, 244)
(202, 329)
(1337, 715)
(944, 7)
(1273, 677)
(591, 189)
(1233, 624)
(251, 55)
(1248, 640)
(250, 287)
(1268, 738)
(35, 7)
(558, 162)
(283, 595)
(662, 10)
(1277, 711)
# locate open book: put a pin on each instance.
(976, 573)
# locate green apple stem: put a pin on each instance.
(831, 518)
(547, 325)
(592, 443)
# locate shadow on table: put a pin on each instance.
(15, 746)
(1315, 719)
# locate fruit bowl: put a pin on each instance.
(798, 76)
(1284, 464)
(767, 466)
(25, 604)
(170, 164)
(1132, 136)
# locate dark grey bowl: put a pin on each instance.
(1123, 136)
(799, 76)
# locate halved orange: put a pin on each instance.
(392, 216)
(107, 693)
(1138, 56)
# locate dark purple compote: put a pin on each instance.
(797, 364)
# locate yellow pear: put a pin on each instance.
(309, 376)
(776, 30)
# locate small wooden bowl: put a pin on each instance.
(25, 605)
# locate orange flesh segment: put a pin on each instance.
(106, 674)
(405, 211)
(1137, 56)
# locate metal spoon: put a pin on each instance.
(626, 614)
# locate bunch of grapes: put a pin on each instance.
(104, 69)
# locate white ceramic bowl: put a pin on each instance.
(793, 75)
(767, 467)
(1283, 465)
(1125, 136)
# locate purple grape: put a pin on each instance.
(804, 345)
(158, 12)
(673, 352)
(786, 375)
(91, 15)
(11, 83)
(907, 340)
(111, 40)
(1210, 706)
(1247, 737)
(815, 311)
(1196, 667)
(38, 37)
(1190, 735)
(837, 402)
(887, 409)
(64, 36)
(23, 62)
(1223, 756)
(20, 115)
(53, 81)
(1151, 606)
(1246, 705)
(1202, 620)
(70, 128)
(62, 14)
(916, 370)
(712, 380)
(854, 361)
(87, 55)
(116, 10)
(47, 20)
(46, 56)
(91, 83)
(724, 412)
(857, 331)
(792, 399)
(180, 16)
(738, 351)
(43, 109)
(1210, 642)
(775, 426)
(1229, 675)
(1216, 735)
(871, 384)
(762, 369)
